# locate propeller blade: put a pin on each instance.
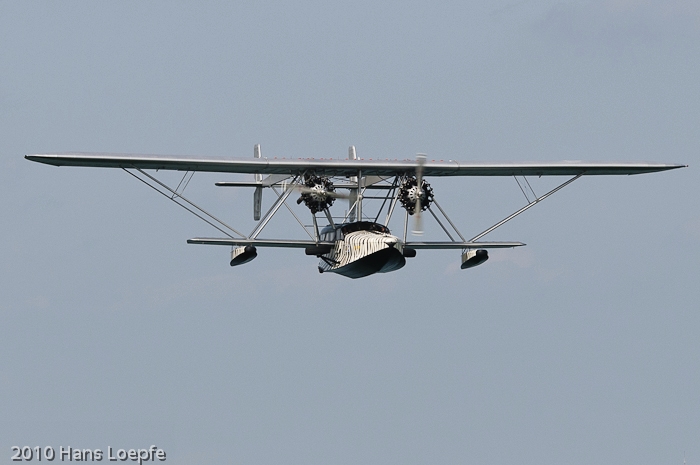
(333, 194)
(338, 195)
(418, 224)
(420, 163)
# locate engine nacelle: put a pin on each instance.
(241, 255)
(472, 258)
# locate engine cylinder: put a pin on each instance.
(317, 194)
(409, 194)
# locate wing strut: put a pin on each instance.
(523, 190)
(391, 194)
(441, 225)
(273, 209)
(293, 214)
(392, 205)
(329, 217)
(175, 195)
(526, 207)
(448, 220)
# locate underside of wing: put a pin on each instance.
(300, 244)
(347, 167)
(463, 245)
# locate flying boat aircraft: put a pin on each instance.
(356, 244)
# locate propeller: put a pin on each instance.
(418, 224)
(321, 192)
(317, 193)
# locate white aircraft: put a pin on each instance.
(356, 244)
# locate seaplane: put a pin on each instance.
(358, 243)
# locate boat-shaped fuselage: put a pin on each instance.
(361, 249)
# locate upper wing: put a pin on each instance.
(334, 167)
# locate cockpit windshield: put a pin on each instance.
(338, 233)
(364, 226)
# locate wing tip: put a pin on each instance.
(45, 159)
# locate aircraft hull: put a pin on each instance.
(363, 253)
(383, 261)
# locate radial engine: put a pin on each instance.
(317, 193)
(409, 194)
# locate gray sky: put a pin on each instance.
(580, 348)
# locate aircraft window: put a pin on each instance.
(364, 226)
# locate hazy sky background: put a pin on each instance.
(583, 347)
